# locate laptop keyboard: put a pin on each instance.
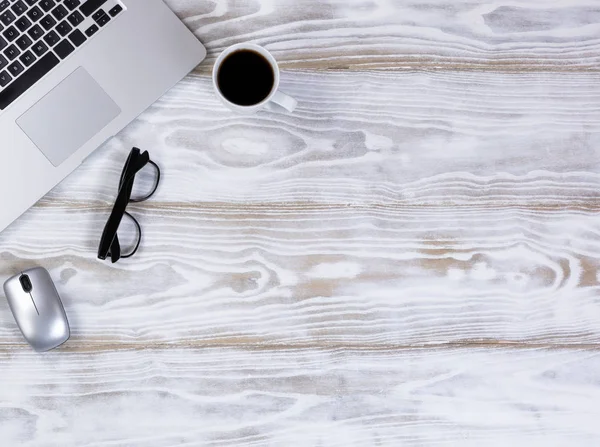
(36, 35)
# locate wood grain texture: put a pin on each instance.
(496, 35)
(157, 398)
(409, 259)
(433, 220)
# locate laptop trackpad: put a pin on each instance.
(68, 116)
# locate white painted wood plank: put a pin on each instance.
(330, 276)
(435, 217)
(389, 138)
(165, 397)
(521, 35)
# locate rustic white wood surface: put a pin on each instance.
(412, 258)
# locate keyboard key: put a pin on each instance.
(3, 62)
(23, 23)
(72, 4)
(12, 52)
(51, 38)
(90, 6)
(64, 28)
(27, 58)
(117, 9)
(47, 5)
(4, 78)
(24, 42)
(4, 4)
(35, 13)
(76, 18)
(19, 8)
(10, 33)
(3, 43)
(91, 30)
(48, 22)
(35, 32)
(64, 48)
(15, 69)
(60, 12)
(7, 17)
(39, 48)
(101, 19)
(36, 72)
(31, 2)
(77, 38)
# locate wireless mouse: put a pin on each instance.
(37, 308)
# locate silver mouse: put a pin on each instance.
(37, 308)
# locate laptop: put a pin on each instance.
(73, 73)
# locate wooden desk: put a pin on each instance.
(410, 259)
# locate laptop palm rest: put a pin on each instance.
(68, 116)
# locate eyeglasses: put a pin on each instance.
(109, 243)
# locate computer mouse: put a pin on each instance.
(37, 308)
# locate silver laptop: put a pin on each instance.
(73, 73)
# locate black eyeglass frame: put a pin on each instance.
(109, 242)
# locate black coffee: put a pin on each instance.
(245, 78)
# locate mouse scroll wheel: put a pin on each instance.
(26, 283)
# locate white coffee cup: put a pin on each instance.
(275, 98)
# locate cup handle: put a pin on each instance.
(282, 100)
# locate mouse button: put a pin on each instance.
(21, 305)
(12, 287)
(49, 304)
(26, 316)
(14, 291)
